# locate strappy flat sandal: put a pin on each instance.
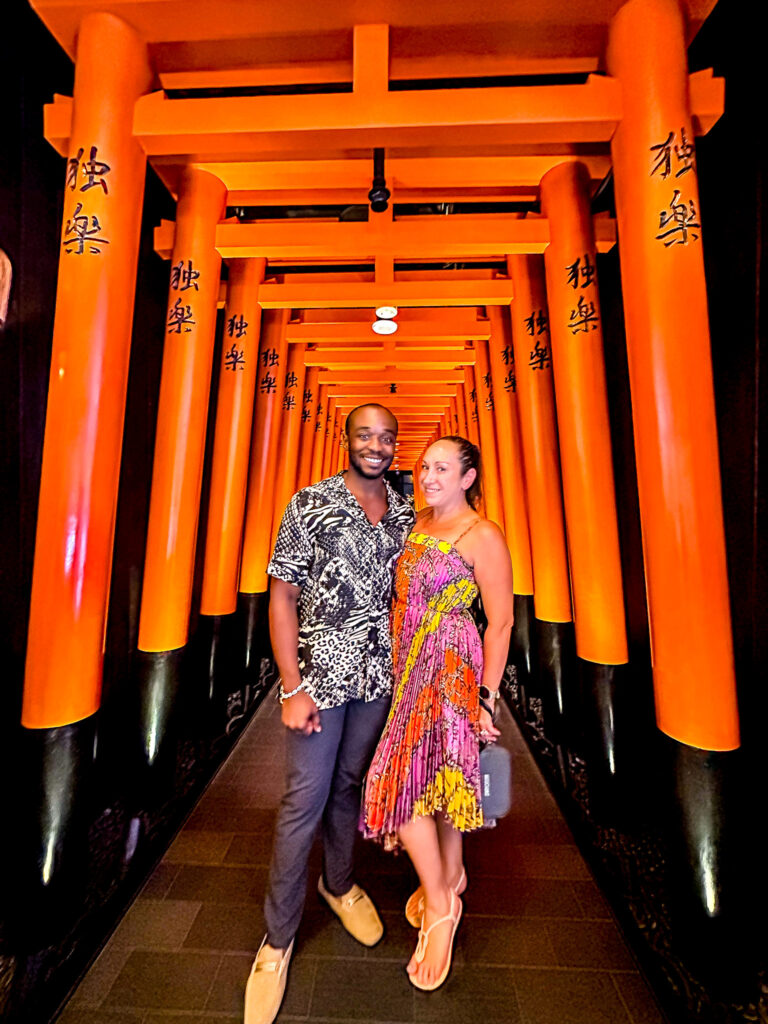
(421, 947)
(414, 907)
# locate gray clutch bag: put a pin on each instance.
(495, 782)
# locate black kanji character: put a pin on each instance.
(184, 277)
(583, 316)
(683, 218)
(180, 316)
(237, 326)
(234, 358)
(77, 226)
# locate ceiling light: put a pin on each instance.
(384, 327)
(386, 312)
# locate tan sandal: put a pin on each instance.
(414, 907)
(421, 947)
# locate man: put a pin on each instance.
(331, 572)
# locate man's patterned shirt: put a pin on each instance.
(327, 546)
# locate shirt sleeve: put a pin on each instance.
(293, 552)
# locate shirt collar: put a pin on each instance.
(396, 507)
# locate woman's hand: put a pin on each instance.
(488, 731)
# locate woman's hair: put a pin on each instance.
(469, 456)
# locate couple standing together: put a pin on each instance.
(374, 641)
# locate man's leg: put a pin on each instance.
(363, 726)
(310, 765)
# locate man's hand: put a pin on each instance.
(300, 714)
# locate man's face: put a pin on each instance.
(372, 436)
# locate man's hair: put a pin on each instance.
(368, 405)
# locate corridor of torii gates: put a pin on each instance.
(426, 206)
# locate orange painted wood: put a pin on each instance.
(670, 372)
(487, 430)
(182, 413)
(331, 437)
(538, 432)
(264, 126)
(472, 416)
(582, 416)
(308, 421)
(290, 433)
(511, 469)
(238, 373)
(461, 412)
(257, 535)
(470, 402)
(88, 380)
(318, 443)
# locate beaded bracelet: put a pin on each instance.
(283, 696)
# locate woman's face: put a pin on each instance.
(443, 480)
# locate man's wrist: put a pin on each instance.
(286, 692)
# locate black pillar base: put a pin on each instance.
(217, 683)
(520, 649)
(253, 619)
(555, 663)
(601, 740)
(54, 782)
(158, 675)
(714, 862)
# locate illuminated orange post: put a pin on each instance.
(670, 374)
(257, 533)
(88, 379)
(487, 430)
(290, 431)
(182, 415)
(231, 449)
(330, 438)
(461, 412)
(511, 472)
(306, 440)
(472, 416)
(470, 405)
(582, 414)
(318, 444)
(538, 431)
(265, 442)
(453, 417)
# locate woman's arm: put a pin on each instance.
(493, 574)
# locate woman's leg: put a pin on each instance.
(420, 839)
(451, 853)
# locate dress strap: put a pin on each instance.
(465, 532)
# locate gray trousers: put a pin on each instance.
(324, 773)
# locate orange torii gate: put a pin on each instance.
(214, 152)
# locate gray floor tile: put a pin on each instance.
(164, 981)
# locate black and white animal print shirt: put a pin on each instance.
(327, 546)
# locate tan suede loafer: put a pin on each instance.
(266, 987)
(356, 912)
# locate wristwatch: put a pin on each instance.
(487, 694)
(488, 700)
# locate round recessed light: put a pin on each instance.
(386, 312)
(384, 326)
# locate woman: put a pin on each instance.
(423, 786)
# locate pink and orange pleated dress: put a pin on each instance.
(427, 759)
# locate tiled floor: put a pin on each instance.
(537, 944)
